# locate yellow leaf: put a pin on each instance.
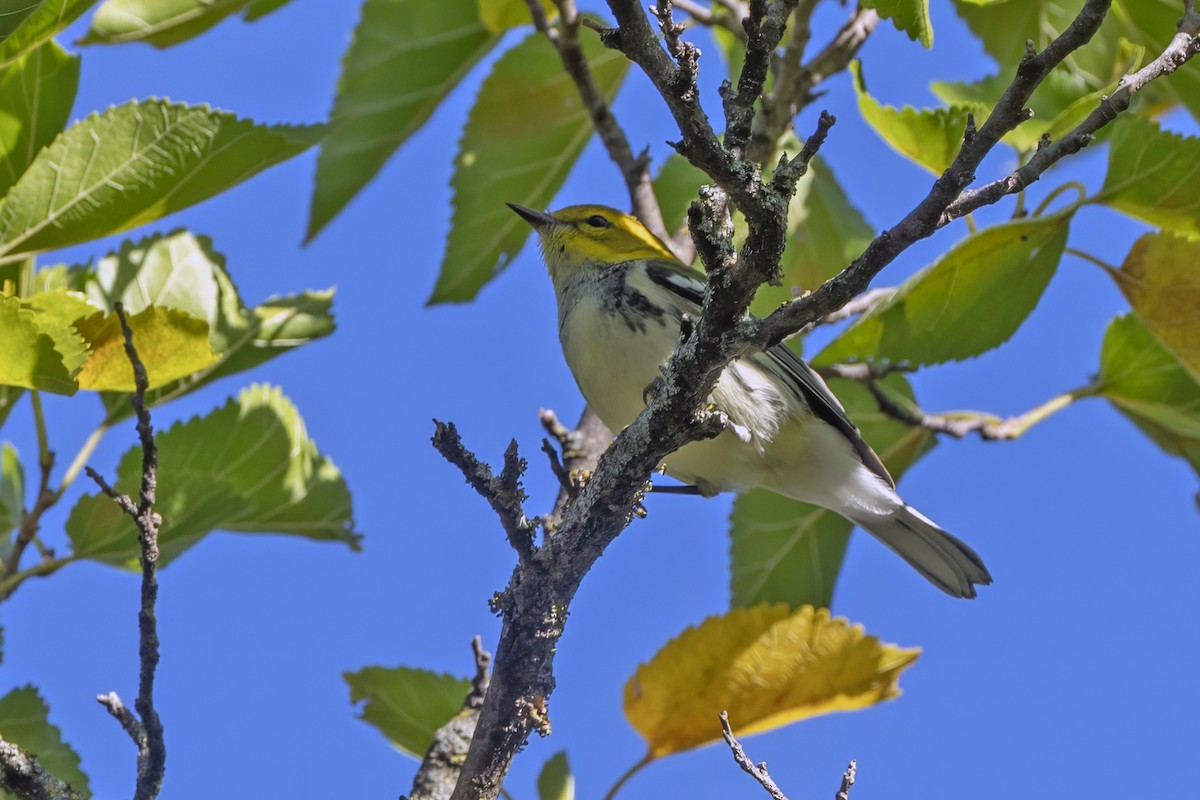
(170, 343)
(1160, 280)
(768, 665)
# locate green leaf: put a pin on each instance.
(133, 164)
(163, 23)
(12, 497)
(407, 705)
(555, 782)
(909, 16)
(30, 357)
(517, 157)
(971, 300)
(676, 186)
(1152, 176)
(37, 91)
(12, 14)
(786, 551)
(829, 233)
(34, 22)
(261, 8)
(24, 721)
(501, 15)
(930, 137)
(1151, 387)
(9, 395)
(405, 58)
(248, 467)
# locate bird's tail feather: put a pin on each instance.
(946, 562)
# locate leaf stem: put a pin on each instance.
(45, 457)
(629, 773)
(42, 568)
(81, 458)
(1019, 425)
(1114, 272)
(1058, 190)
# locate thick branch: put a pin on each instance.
(25, 778)
(147, 734)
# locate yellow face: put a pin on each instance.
(582, 236)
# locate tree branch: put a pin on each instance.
(929, 214)
(25, 778)
(843, 792)
(440, 767)
(147, 734)
(535, 604)
(1183, 45)
(635, 170)
(954, 423)
(31, 519)
(503, 493)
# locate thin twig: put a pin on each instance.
(756, 771)
(442, 764)
(503, 492)
(147, 734)
(958, 424)
(843, 792)
(1179, 51)
(31, 519)
(859, 305)
(635, 169)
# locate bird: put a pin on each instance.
(621, 297)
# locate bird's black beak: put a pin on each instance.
(540, 220)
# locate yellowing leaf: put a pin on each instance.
(767, 666)
(170, 343)
(1160, 279)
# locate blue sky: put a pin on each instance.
(1074, 668)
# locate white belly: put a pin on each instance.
(613, 365)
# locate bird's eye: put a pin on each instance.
(597, 221)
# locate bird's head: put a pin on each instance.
(579, 237)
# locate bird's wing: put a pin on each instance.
(688, 286)
(826, 406)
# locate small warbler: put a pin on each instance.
(621, 294)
